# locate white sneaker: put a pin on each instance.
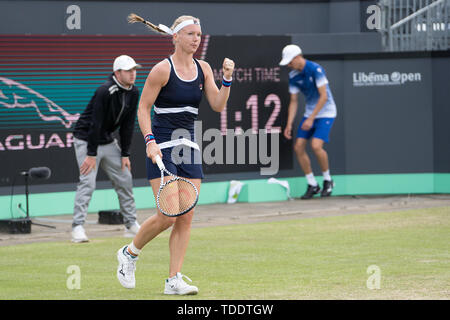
(78, 234)
(132, 231)
(126, 268)
(176, 285)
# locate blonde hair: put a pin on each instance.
(132, 18)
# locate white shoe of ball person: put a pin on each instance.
(79, 235)
(132, 231)
(176, 285)
(126, 268)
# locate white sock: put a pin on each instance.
(311, 180)
(173, 278)
(135, 251)
(326, 175)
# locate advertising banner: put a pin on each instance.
(47, 81)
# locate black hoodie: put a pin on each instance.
(111, 107)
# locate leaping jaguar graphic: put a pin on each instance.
(17, 95)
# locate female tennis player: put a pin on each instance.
(174, 86)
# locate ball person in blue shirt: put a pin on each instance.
(320, 111)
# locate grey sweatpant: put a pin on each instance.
(110, 160)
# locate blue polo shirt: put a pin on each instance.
(307, 81)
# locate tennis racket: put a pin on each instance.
(177, 195)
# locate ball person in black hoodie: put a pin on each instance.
(113, 106)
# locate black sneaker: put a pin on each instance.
(310, 192)
(327, 188)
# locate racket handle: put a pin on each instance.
(159, 162)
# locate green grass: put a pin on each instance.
(319, 258)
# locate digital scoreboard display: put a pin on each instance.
(257, 107)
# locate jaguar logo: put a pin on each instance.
(15, 95)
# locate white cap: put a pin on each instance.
(125, 62)
(289, 53)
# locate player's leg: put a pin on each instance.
(178, 243)
(153, 226)
(157, 223)
(179, 238)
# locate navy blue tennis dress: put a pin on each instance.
(176, 107)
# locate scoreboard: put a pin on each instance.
(257, 105)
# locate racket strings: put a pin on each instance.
(177, 196)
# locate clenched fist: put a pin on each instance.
(228, 68)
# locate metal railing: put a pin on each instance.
(415, 25)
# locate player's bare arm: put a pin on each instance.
(156, 79)
(217, 99)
